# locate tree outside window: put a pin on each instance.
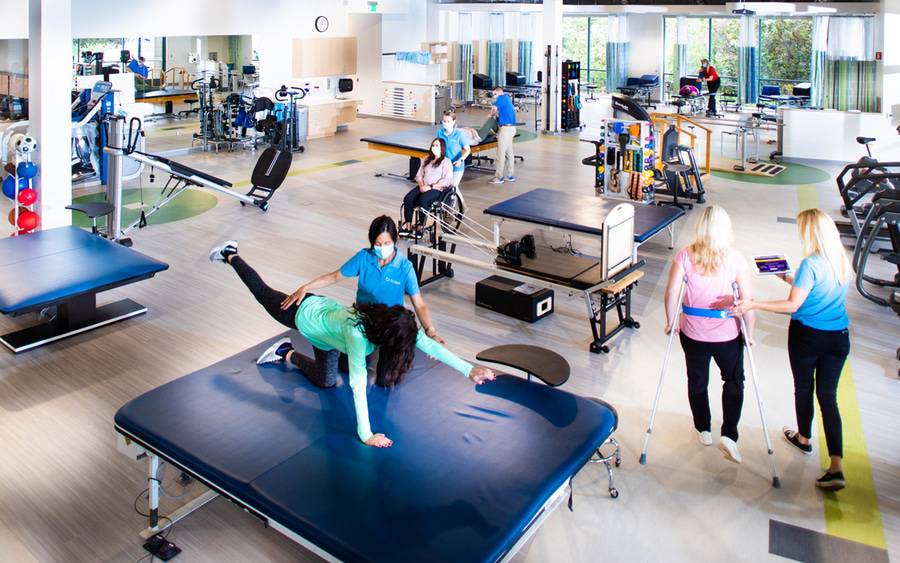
(575, 43)
(785, 49)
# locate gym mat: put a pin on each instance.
(793, 174)
(801, 544)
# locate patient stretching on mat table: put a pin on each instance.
(356, 331)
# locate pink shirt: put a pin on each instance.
(438, 176)
(710, 292)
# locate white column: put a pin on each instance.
(552, 37)
(49, 107)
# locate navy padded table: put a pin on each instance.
(66, 267)
(581, 214)
(470, 469)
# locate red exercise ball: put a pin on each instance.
(12, 215)
(28, 220)
(27, 196)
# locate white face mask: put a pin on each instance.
(384, 252)
(436, 150)
(448, 126)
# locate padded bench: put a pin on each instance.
(66, 268)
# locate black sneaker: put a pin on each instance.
(794, 440)
(831, 481)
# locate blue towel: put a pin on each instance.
(415, 57)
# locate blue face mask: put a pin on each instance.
(384, 252)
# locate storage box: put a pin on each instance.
(514, 298)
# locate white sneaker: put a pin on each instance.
(705, 437)
(217, 253)
(729, 449)
(269, 356)
(497, 181)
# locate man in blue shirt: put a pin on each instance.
(138, 67)
(505, 113)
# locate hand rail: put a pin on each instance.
(661, 119)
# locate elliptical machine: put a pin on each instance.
(285, 133)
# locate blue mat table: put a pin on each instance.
(66, 268)
(472, 472)
(580, 214)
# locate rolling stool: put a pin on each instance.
(93, 210)
(681, 183)
(191, 109)
(554, 370)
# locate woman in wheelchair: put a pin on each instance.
(435, 175)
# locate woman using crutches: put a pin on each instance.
(818, 339)
(708, 268)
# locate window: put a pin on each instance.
(725, 35)
(584, 40)
(698, 42)
(785, 46)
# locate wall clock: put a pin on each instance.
(321, 24)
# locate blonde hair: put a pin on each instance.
(819, 236)
(712, 239)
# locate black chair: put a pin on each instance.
(554, 370)
(93, 210)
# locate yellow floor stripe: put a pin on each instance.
(852, 514)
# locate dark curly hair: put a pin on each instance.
(393, 330)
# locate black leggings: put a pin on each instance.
(729, 356)
(323, 370)
(817, 358)
(713, 87)
(414, 198)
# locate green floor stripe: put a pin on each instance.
(189, 204)
(853, 513)
(793, 174)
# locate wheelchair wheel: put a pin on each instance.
(451, 211)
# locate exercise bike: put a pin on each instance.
(860, 181)
(286, 133)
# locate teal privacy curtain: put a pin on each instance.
(748, 47)
(818, 61)
(463, 91)
(850, 71)
(525, 51)
(496, 50)
(617, 53)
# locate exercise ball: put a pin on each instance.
(9, 186)
(28, 220)
(26, 145)
(12, 215)
(26, 170)
(27, 196)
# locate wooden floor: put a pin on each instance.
(67, 495)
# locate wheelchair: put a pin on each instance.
(448, 210)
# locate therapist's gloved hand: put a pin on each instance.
(479, 375)
(295, 297)
(379, 441)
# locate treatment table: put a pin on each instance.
(473, 471)
(66, 267)
(583, 215)
(415, 144)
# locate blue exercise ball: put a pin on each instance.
(9, 186)
(26, 170)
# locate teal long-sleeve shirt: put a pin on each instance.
(328, 325)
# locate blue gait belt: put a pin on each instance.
(708, 313)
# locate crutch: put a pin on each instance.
(776, 482)
(662, 372)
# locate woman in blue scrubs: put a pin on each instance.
(385, 276)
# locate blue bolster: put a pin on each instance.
(708, 313)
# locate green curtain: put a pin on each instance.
(616, 66)
(235, 51)
(818, 61)
(748, 60)
(463, 91)
(850, 85)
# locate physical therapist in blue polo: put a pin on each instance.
(385, 276)
(457, 143)
(505, 113)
